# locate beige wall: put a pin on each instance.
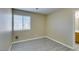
(60, 26)
(37, 27)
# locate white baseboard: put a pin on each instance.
(59, 42)
(43, 37)
(28, 39)
(25, 40)
(10, 47)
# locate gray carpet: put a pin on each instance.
(39, 45)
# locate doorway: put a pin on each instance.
(77, 27)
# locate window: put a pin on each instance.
(22, 22)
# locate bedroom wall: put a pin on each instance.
(37, 27)
(60, 26)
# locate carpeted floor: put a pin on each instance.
(39, 45)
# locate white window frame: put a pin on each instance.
(22, 24)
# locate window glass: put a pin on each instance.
(21, 22)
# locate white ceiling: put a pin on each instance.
(39, 10)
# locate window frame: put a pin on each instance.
(23, 23)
